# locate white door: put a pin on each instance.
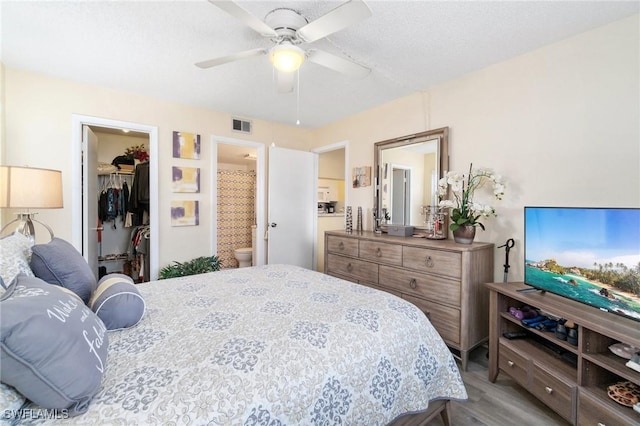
(292, 207)
(90, 198)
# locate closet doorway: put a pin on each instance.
(105, 234)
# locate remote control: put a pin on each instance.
(515, 335)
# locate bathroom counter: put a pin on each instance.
(330, 214)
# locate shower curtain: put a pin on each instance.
(236, 213)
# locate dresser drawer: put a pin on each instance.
(593, 412)
(446, 320)
(341, 245)
(353, 268)
(514, 364)
(432, 287)
(434, 261)
(558, 394)
(381, 252)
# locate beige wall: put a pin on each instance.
(111, 146)
(39, 133)
(331, 164)
(561, 123)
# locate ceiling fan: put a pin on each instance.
(288, 29)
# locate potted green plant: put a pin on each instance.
(199, 265)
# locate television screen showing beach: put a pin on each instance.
(591, 255)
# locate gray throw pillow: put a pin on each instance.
(59, 263)
(117, 302)
(53, 347)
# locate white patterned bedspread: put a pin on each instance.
(272, 345)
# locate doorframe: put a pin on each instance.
(321, 150)
(261, 218)
(77, 121)
(408, 174)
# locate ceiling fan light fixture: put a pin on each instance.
(286, 57)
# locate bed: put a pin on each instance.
(273, 345)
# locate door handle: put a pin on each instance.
(429, 262)
(273, 224)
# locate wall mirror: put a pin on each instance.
(407, 173)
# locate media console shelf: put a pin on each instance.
(571, 380)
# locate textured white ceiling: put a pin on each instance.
(151, 47)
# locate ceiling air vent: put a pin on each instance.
(241, 125)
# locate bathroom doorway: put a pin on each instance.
(237, 190)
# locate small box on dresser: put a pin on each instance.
(400, 230)
(443, 278)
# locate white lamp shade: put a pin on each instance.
(30, 188)
(286, 57)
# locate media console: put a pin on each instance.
(571, 380)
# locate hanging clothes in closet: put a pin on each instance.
(139, 252)
(139, 196)
(113, 199)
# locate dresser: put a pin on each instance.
(443, 278)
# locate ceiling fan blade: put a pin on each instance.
(339, 18)
(336, 63)
(230, 58)
(233, 9)
(286, 81)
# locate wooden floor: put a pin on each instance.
(503, 403)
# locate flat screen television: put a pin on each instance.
(591, 255)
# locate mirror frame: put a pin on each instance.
(442, 134)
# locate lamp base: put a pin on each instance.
(25, 226)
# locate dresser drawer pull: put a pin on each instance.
(429, 262)
(413, 283)
(511, 363)
(349, 267)
(379, 252)
(548, 390)
(341, 245)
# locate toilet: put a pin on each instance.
(243, 256)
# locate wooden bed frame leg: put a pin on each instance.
(446, 413)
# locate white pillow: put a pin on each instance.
(15, 253)
(10, 399)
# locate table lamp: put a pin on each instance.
(29, 188)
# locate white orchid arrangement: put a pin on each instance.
(465, 211)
